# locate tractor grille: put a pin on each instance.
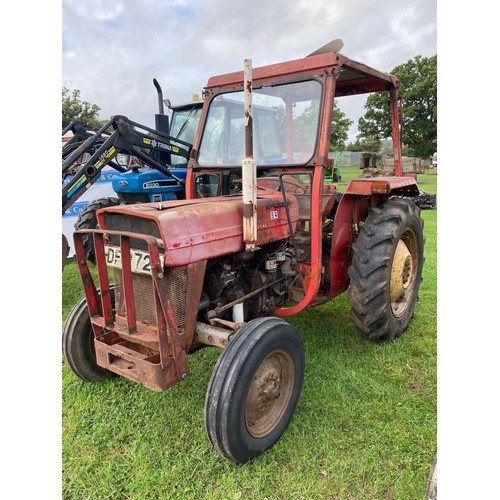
(144, 298)
(130, 198)
(177, 292)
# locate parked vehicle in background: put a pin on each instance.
(121, 177)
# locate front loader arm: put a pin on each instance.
(80, 134)
(125, 139)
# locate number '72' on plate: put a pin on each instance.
(140, 261)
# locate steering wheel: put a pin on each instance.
(302, 189)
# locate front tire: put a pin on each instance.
(254, 389)
(87, 219)
(78, 344)
(386, 269)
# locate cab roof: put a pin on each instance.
(352, 77)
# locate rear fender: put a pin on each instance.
(353, 209)
(385, 186)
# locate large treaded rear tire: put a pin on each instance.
(254, 389)
(87, 219)
(377, 315)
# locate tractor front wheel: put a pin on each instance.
(254, 389)
(78, 344)
(87, 219)
(386, 269)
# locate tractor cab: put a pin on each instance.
(291, 117)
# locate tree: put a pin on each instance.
(340, 129)
(368, 144)
(418, 88)
(73, 108)
(305, 121)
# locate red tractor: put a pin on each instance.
(259, 237)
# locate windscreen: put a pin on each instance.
(183, 127)
(285, 126)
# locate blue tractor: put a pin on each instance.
(152, 176)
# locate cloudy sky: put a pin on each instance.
(111, 51)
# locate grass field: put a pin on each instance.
(364, 428)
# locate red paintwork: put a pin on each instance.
(313, 270)
(363, 187)
(309, 65)
(353, 208)
(396, 128)
(110, 347)
(205, 228)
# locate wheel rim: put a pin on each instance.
(403, 273)
(269, 393)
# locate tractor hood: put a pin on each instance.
(200, 229)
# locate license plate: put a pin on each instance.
(139, 259)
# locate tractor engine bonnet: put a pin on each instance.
(200, 229)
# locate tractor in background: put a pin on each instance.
(132, 180)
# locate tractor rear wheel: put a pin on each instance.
(386, 269)
(254, 389)
(87, 219)
(78, 344)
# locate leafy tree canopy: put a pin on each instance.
(365, 144)
(305, 121)
(73, 108)
(340, 129)
(418, 88)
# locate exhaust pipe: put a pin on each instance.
(161, 123)
(248, 168)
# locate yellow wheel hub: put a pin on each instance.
(402, 271)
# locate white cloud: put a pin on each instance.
(112, 51)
